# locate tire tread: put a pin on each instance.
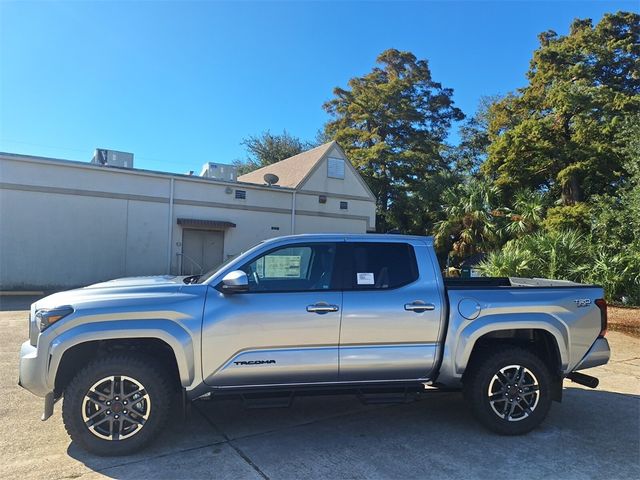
(75, 390)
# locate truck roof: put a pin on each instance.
(383, 237)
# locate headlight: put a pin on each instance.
(47, 316)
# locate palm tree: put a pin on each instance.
(470, 218)
(510, 261)
(527, 213)
(557, 254)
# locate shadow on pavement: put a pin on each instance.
(592, 433)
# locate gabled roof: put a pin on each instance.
(291, 171)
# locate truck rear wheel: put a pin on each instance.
(509, 391)
(117, 404)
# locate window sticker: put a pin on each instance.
(282, 266)
(365, 278)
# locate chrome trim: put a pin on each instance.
(322, 308)
(419, 306)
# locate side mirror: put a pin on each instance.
(234, 282)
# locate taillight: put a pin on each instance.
(602, 305)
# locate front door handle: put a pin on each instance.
(419, 306)
(321, 307)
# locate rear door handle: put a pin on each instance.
(419, 306)
(321, 307)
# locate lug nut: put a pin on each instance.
(108, 403)
(117, 398)
(125, 412)
(116, 416)
(108, 412)
(125, 402)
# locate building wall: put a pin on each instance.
(66, 224)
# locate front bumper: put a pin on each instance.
(598, 354)
(33, 371)
(33, 377)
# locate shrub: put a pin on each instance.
(569, 255)
(510, 261)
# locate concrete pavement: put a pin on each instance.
(592, 434)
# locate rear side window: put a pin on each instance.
(380, 266)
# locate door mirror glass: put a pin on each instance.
(234, 282)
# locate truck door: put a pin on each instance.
(285, 329)
(391, 312)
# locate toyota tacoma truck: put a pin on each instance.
(308, 314)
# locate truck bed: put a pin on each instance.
(508, 282)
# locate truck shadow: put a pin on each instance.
(320, 437)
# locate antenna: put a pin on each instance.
(270, 179)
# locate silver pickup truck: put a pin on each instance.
(308, 314)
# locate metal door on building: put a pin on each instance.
(201, 250)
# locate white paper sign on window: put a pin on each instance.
(282, 266)
(365, 278)
(335, 168)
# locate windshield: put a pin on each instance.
(206, 275)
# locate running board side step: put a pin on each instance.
(284, 400)
(389, 397)
(582, 379)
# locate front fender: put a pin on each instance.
(166, 330)
(470, 334)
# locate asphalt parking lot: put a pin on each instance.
(592, 434)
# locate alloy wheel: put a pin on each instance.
(513, 393)
(116, 407)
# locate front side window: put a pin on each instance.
(298, 268)
(381, 266)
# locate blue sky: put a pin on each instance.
(182, 83)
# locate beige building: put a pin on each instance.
(65, 224)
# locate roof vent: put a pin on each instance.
(271, 179)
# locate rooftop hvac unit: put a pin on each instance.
(112, 158)
(219, 171)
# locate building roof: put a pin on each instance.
(290, 171)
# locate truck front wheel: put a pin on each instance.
(117, 404)
(509, 391)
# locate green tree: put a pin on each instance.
(558, 255)
(471, 221)
(527, 213)
(268, 148)
(392, 123)
(471, 151)
(563, 130)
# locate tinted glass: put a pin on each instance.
(299, 268)
(381, 266)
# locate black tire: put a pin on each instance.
(124, 367)
(506, 412)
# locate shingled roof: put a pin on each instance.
(290, 171)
